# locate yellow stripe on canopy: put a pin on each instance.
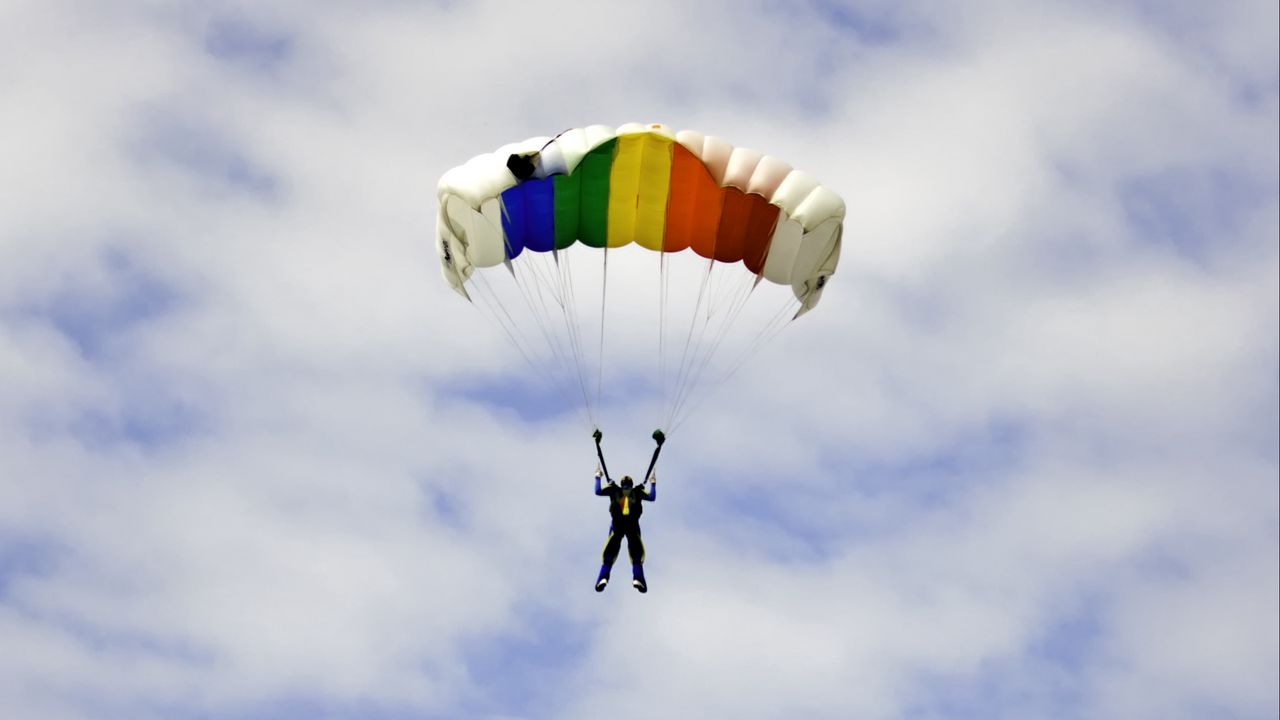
(638, 186)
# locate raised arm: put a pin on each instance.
(650, 491)
(599, 475)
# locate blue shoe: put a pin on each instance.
(637, 574)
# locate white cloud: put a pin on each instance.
(1040, 393)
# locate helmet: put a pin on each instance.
(627, 482)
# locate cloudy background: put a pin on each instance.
(1021, 462)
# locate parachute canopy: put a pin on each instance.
(547, 213)
(666, 192)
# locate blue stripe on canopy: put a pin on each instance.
(528, 218)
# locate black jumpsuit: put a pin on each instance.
(625, 507)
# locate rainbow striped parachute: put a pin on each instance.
(598, 189)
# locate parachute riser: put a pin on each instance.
(600, 454)
(659, 438)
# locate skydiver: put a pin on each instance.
(626, 503)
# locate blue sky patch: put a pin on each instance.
(934, 476)
(526, 672)
(1193, 211)
(867, 25)
(530, 397)
(1045, 680)
(442, 506)
(172, 140)
(22, 556)
(237, 40)
(301, 706)
(100, 311)
(161, 419)
(96, 314)
(804, 523)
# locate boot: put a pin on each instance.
(637, 578)
(603, 579)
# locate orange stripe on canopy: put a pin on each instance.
(693, 208)
(760, 225)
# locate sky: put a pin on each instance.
(257, 460)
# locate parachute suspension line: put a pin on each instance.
(542, 319)
(554, 277)
(716, 284)
(540, 313)
(573, 329)
(693, 320)
(746, 291)
(544, 276)
(492, 304)
(604, 292)
(763, 337)
(568, 317)
(707, 350)
(662, 325)
(704, 350)
(784, 316)
(555, 287)
(668, 408)
(580, 337)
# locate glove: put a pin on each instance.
(597, 434)
(659, 437)
(653, 479)
(599, 472)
